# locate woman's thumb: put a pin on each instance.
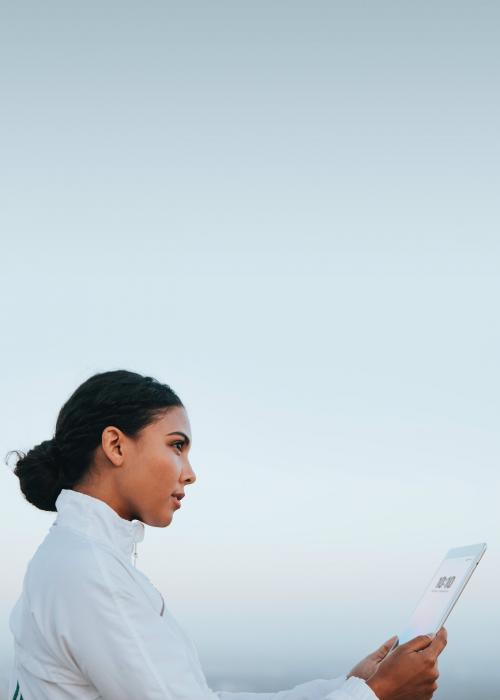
(418, 643)
(386, 647)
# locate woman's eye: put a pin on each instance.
(179, 442)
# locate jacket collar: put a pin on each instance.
(97, 520)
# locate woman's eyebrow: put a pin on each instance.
(178, 432)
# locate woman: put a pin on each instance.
(88, 623)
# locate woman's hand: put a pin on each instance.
(411, 671)
(366, 668)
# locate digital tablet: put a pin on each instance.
(442, 592)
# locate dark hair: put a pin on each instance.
(121, 398)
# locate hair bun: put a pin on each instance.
(40, 474)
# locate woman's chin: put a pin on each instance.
(166, 519)
(162, 518)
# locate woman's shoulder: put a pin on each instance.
(67, 562)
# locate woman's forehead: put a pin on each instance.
(175, 419)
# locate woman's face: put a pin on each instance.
(154, 465)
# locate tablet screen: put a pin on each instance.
(441, 593)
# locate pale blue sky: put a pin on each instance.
(288, 212)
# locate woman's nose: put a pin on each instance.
(191, 476)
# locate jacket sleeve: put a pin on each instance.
(126, 650)
(320, 689)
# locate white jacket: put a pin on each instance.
(88, 625)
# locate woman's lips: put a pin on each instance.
(177, 502)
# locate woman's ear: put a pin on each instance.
(112, 443)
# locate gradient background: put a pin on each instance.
(289, 212)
